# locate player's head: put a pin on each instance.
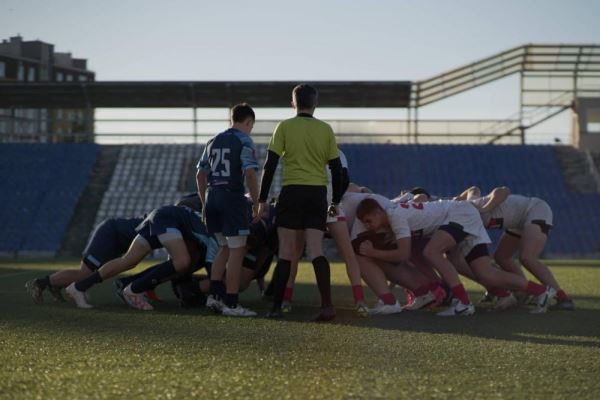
(419, 190)
(371, 214)
(242, 117)
(305, 97)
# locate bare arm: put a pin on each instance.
(497, 197)
(252, 183)
(471, 193)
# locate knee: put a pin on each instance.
(501, 259)
(526, 259)
(181, 263)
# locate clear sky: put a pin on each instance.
(285, 40)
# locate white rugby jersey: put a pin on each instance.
(351, 200)
(510, 214)
(414, 219)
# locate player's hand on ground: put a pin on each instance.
(366, 248)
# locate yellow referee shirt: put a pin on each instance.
(305, 144)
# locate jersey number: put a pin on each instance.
(220, 164)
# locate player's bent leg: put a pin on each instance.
(507, 246)
(375, 278)
(441, 242)
(339, 232)
(138, 249)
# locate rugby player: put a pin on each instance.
(449, 223)
(526, 222)
(170, 227)
(227, 161)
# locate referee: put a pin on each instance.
(306, 145)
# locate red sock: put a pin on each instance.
(460, 293)
(287, 294)
(388, 298)
(498, 292)
(562, 295)
(358, 293)
(535, 288)
(421, 290)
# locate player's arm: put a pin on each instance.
(250, 166)
(203, 169)
(266, 180)
(496, 197)
(471, 193)
(396, 256)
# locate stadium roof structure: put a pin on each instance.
(197, 94)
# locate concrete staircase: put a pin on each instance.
(578, 169)
(84, 216)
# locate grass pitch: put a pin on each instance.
(57, 351)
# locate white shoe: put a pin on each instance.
(214, 304)
(506, 302)
(286, 307)
(136, 300)
(420, 301)
(238, 311)
(544, 301)
(77, 296)
(457, 309)
(385, 309)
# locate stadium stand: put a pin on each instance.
(148, 176)
(42, 183)
(40, 186)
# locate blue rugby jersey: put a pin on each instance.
(226, 158)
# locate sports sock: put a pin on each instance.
(388, 298)
(156, 275)
(323, 275)
(217, 289)
(535, 288)
(460, 293)
(44, 282)
(231, 300)
(281, 274)
(562, 295)
(126, 280)
(287, 294)
(358, 293)
(86, 283)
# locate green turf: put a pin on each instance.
(57, 351)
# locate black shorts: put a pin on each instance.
(302, 207)
(104, 245)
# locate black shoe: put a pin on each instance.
(325, 315)
(275, 314)
(56, 293)
(564, 305)
(488, 298)
(119, 286)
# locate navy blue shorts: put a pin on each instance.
(227, 213)
(158, 222)
(105, 244)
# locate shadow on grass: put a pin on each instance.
(580, 328)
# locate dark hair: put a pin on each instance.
(305, 96)
(367, 206)
(419, 190)
(241, 112)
